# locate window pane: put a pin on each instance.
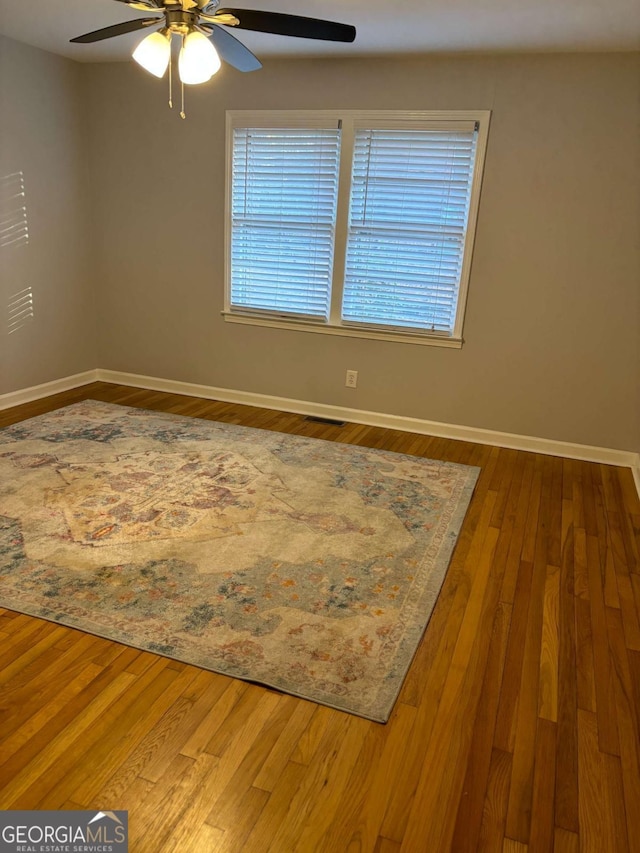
(284, 188)
(407, 225)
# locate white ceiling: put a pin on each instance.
(383, 27)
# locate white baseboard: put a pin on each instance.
(37, 392)
(587, 453)
(635, 470)
(583, 452)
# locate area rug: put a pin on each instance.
(306, 565)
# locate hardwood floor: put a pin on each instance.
(516, 730)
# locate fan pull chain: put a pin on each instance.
(182, 113)
(170, 79)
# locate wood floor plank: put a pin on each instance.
(532, 529)
(588, 497)
(110, 734)
(614, 774)
(602, 665)
(510, 845)
(452, 599)
(308, 743)
(21, 696)
(628, 722)
(494, 816)
(565, 841)
(164, 739)
(471, 805)
(200, 783)
(622, 498)
(577, 492)
(402, 799)
(435, 806)
(580, 568)
(585, 678)
(611, 597)
(549, 650)
(207, 838)
(556, 522)
(283, 748)
(542, 829)
(446, 611)
(514, 556)
(566, 762)
(512, 518)
(383, 845)
(126, 733)
(517, 728)
(509, 465)
(162, 808)
(241, 803)
(279, 808)
(226, 734)
(14, 739)
(621, 581)
(25, 780)
(67, 714)
(22, 655)
(633, 660)
(283, 835)
(521, 790)
(364, 820)
(600, 831)
(228, 693)
(349, 771)
(510, 693)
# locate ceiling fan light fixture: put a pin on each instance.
(153, 52)
(198, 60)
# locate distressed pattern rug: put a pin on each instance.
(307, 565)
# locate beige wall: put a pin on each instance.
(554, 305)
(42, 138)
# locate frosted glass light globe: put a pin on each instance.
(198, 60)
(153, 53)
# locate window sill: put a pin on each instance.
(422, 339)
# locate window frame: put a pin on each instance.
(348, 121)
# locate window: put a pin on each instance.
(353, 223)
(283, 209)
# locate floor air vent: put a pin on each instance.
(318, 420)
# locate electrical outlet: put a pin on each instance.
(352, 379)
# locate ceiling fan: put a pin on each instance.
(206, 39)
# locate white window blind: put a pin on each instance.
(283, 210)
(410, 194)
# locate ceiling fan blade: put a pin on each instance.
(232, 50)
(291, 25)
(116, 30)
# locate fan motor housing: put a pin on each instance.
(179, 21)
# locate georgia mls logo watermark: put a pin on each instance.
(64, 832)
